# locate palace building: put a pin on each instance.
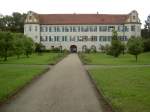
(77, 32)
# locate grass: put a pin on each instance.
(127, 89)
(103, 59)
(45, 58)
(14, 77)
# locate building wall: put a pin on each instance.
(35, 32)
(38, 33)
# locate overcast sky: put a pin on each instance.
(77, 6)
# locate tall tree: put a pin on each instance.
(6, 44)
(13, 23)
(145, 33)
(28, 46)
(18, 44)
(147, 23)
(116, 45)
(18, 20)
(135, 46)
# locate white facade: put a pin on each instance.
(81, 36)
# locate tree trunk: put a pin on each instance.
(27, 54)
(18, 56)
(136, 56)
(5, 56)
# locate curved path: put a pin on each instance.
(65, 88)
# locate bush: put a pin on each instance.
(39, 48)
(56, 50)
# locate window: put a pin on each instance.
(125, 38)
(35, 28)
(84, 38)
(70, 28)
(91, 29)
(109, 38)
(46, 29)
(74, 29)
(100, 38)
(103, 28)
(133, 17)
(120, 28)
(55, 38)
(50, 29)
(30, 17)
(66, 29)
(82, 29)
(58, 29)
(93, 38)
(132, 28)
(41, 29)
(78, 28)
(126, 29)
(30, 28)
(63, 29)
(46, 38)
(79, 38)
(65, 38)
(72, 38)
(104, 38)
(50, 39)
(110, 28)
(95, 28)
(87, 29)
(55, 29)
(41, 38)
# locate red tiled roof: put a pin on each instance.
(74, 19)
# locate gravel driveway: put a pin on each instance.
(64, 88)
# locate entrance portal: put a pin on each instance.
(73, 48)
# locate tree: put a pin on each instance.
(18, 22)
(123, 48)
(146, 43)
(146, 34)
(6, 44)
(13, 23)
(28, 46)
(39, 47)
(116, 45)
(18, 44)
(135, 46)
(147, 23)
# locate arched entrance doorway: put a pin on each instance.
(73, 48)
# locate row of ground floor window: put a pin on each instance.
(79, 48)
(75, 48)
(79, 38)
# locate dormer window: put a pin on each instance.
(30, 17)
(133, 17)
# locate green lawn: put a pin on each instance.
(127, 89)
(45, 58)
(13, 77)
(127, 59)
